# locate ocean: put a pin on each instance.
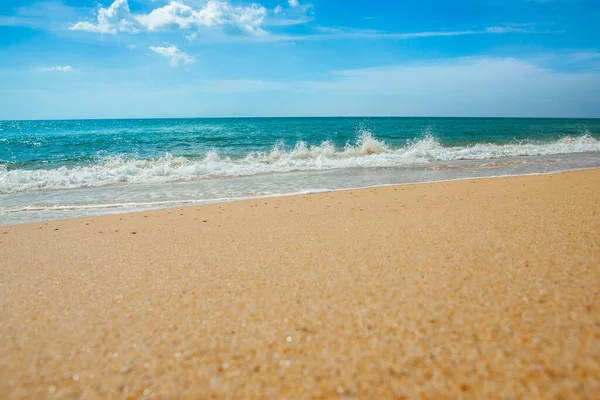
(64, 169)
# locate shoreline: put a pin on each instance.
(200, 203)
(476, 288)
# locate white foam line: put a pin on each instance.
(368, 152)
(464, 179)
(150, 205)
(100, 206)
(300, 193)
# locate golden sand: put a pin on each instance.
(483, 288)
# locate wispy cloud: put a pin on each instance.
(505, 76)
(506, 29)
(288, 20)
(239, 86)
(474, 86)
(43, 15)
(582, 56)
(328, 33)
(58, 68)
(214, 13)
(483, 86)
(246, 22)
(294, 14)
(570, 60)
(176, 57)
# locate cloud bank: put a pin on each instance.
(471, 86)
(250, 20)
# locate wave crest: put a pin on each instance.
(366, 152)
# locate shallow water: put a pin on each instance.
(64, 169)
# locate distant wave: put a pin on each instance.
(365, 153)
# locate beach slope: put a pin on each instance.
(479, 288)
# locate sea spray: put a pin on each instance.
(365, 152)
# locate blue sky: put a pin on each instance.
(195, 58)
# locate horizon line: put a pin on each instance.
(285, 117)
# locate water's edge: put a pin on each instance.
(52, 170)
(112, 210)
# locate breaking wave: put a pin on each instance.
(367, 152)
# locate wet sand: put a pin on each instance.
(484, 288)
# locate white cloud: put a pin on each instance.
(131, 47)
(176, 57)
(174, 13)
(116, 18)
(66, 68)
(251, 19)
(213, 13)
(505, 29)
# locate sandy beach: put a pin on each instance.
(483, 288)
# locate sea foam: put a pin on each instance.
(366, 152)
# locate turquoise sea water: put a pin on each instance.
(62, 169)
